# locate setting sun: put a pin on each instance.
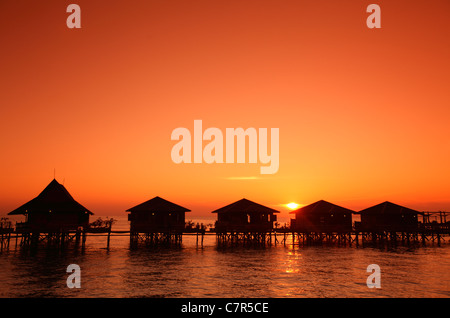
(292, 205)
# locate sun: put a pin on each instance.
(292, 205)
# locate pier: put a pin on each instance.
(62, 239)
(10, 238)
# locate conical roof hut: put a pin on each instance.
(53, 209)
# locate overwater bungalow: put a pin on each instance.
(322, 217)
(53, 210)
(245, 216)
(157, 216)
(389, 217)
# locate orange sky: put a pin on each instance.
(363, 113)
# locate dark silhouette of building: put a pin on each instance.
(389, 217)
(245, 216)
(157, 216)
(53, 210)
(322, 217)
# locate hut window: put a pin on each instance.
(248, 218)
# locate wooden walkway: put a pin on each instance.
(24, 239)
(285, 237)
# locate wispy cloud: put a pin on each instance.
(243, 178)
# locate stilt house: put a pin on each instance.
(157, 215)
(322, 217)
(389, 217)
(53, 210)
(245, 216)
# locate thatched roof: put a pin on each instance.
(158, 204)
(388, 208)
(54, 198)
(245, 206)
(322, 208)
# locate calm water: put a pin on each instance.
(189, 271)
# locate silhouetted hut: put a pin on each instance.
(389, 217)
(53, 210)
(245, 216)
(322, 217)
(157, 215)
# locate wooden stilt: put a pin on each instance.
(109, 239)
(83, 240)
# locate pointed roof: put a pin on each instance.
(322, 207)
(245, 205)
(388, 208)
(158, 204)
(55, 198)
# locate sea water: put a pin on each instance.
(191, 270)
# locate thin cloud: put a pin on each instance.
(243, 178)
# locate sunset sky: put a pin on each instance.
(363, 114)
